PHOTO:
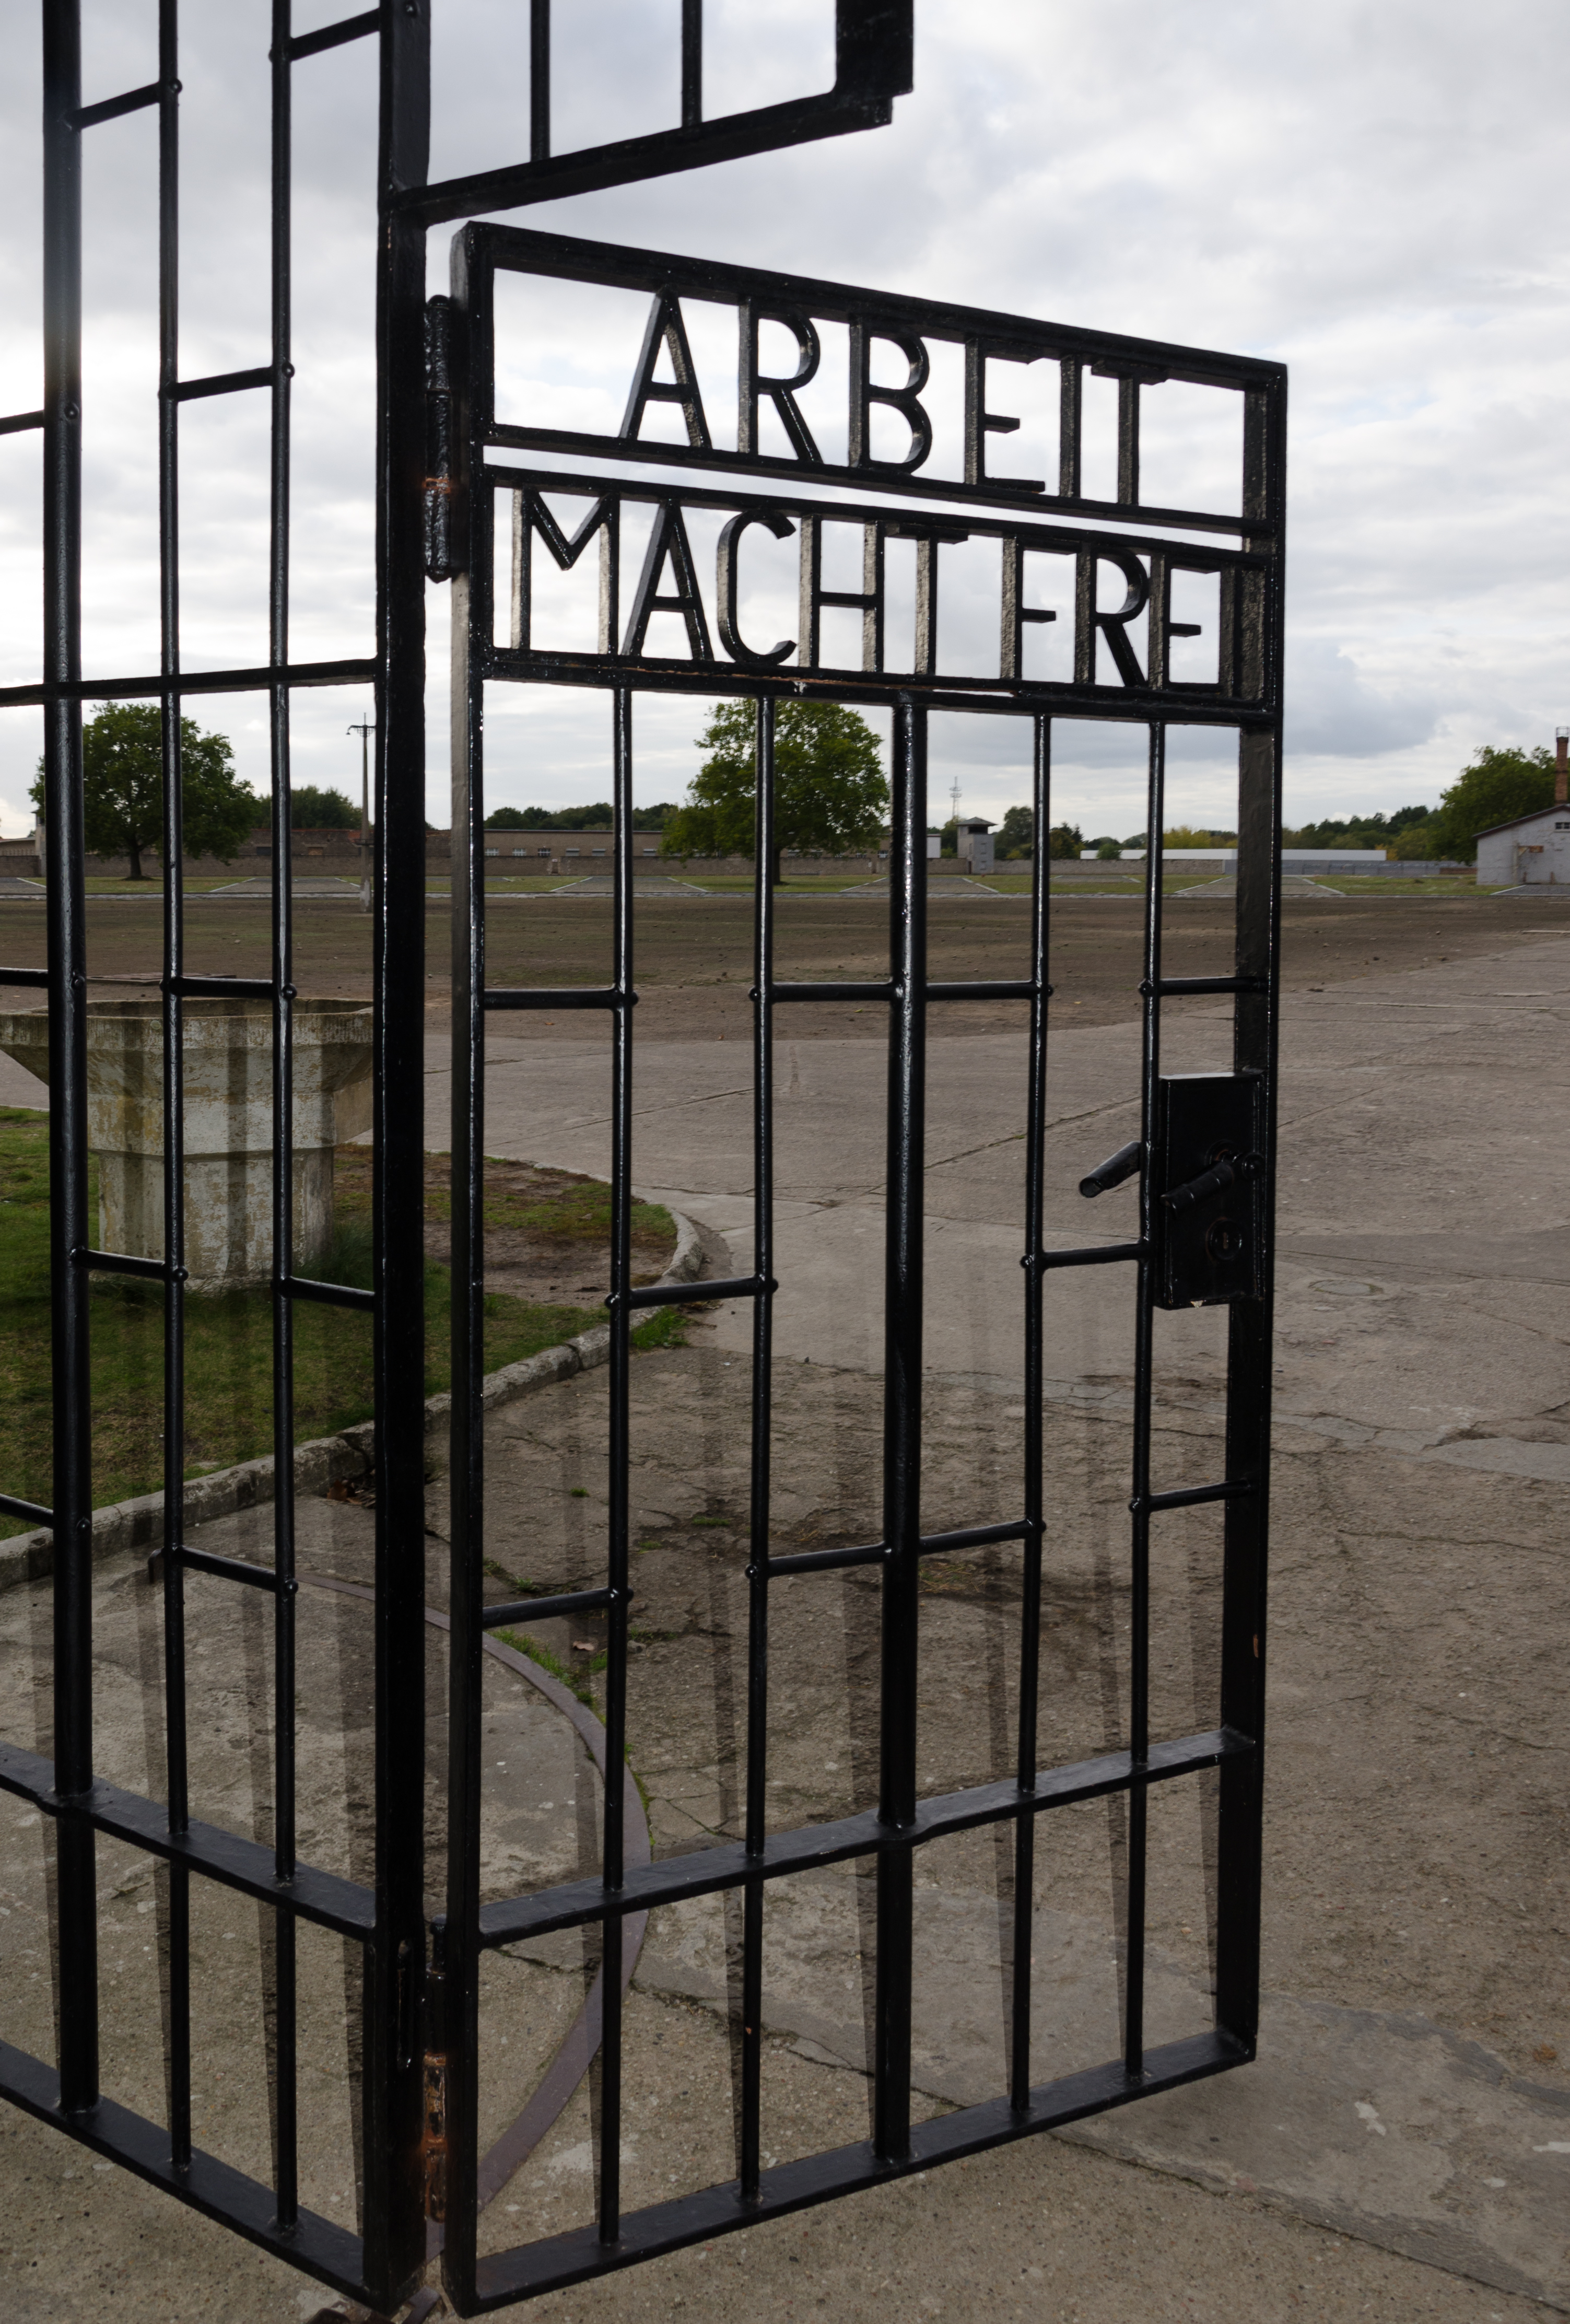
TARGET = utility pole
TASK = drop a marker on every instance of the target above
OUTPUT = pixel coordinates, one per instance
(364, 730)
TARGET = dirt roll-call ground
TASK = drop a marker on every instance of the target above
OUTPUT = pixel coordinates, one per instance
(694, 953)
(1416, 1849)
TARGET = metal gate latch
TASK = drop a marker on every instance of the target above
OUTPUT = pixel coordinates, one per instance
(1208, 1225)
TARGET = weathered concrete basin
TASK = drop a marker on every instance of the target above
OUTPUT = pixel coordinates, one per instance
(228, 1053)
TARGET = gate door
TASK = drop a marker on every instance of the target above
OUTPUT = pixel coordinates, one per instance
(526, 501)
(147, 2111)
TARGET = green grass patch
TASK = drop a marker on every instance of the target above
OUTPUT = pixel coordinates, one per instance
(666, 1328)
(1374, 883)
(228, 1347)
(574, 1677)
(576, 1209)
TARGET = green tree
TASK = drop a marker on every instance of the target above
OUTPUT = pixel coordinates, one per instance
(508, 818)
(1064, 841)
(1498, 786)
(123, 787)
(830, 794)
(311, 808)
(1016, 834)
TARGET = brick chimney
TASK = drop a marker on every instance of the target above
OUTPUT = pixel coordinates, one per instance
(1561, 766)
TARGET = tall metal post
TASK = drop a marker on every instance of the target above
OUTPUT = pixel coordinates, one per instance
(70, 1234)
(395, 2040)
(902, 1296)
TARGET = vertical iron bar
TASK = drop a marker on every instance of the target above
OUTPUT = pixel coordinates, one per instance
(762, 1403)
(393, 2225)
(174, 1694)
(617, 1545)
(1144, 1356)
(470, 540)
(539, 81)
(285, 2165)
(691, 64)
(1250, 1322)
(68, 1063)
(1035, 1282)
(902, 1296)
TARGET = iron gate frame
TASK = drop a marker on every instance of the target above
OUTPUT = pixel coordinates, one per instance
(387, 1919)
(461, 545)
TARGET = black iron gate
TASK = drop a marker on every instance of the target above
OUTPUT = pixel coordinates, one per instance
(1203, 1154)
(1206, 1151)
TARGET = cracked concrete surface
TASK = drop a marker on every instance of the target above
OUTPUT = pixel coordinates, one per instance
(1403, 2146)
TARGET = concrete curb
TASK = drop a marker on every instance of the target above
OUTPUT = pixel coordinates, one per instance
(138, 1524)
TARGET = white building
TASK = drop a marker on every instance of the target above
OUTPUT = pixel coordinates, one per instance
(1531, 849)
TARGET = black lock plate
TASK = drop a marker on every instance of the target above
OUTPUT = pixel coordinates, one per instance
(1208, 1251)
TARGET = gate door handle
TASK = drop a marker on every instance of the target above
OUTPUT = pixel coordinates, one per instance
(1225, 1173)
(1126, 1163)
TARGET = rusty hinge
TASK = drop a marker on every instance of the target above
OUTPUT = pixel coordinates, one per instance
(433, 2137)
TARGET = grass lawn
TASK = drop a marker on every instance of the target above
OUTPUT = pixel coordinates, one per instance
(737, 883)
(1375, 883)
(229, 1335)
(153, 884)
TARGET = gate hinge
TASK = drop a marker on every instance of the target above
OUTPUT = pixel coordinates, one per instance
(438, 433)
(433, 2137)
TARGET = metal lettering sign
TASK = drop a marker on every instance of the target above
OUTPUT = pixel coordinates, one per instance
(1113, 588)
(687, 601)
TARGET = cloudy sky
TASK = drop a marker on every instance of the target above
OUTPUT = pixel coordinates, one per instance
(1368, 195)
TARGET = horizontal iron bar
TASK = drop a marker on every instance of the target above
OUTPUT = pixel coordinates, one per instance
(1034, 516)
(545, 1609)
(705, 1872)
(1035, 525)
(199, 681)
(1017, 988)
(823, 1561)
(221, 382)
(24, 976)
(979, 1536)
(673, 1294)
(571, 996)
(528, 250)
(1188, 1496)
(872, 1553)
(110, 108)
(1100, 1255)
(232, 1569)
(325, 1294)
(120, 1262)
(18, 422)
(864, 990)
(762, 129)
(1172, 988)
(998, 697)
(333, 36)
(203, 1848)
(12, 1506)
(212, 988)
(315, 2246)
(576, 2254)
